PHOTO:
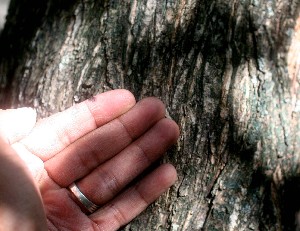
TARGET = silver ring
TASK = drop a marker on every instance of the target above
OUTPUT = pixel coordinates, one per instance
(90, 206)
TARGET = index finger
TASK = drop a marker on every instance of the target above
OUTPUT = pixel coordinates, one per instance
(53, 134)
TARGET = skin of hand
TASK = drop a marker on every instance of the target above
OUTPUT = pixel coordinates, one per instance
(102, 144)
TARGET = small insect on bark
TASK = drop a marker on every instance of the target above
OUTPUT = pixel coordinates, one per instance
(92, 99)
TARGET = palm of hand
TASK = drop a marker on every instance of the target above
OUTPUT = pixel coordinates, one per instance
(101, 144)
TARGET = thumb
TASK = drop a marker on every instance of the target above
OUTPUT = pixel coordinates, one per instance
(21, 205)
(16, 123)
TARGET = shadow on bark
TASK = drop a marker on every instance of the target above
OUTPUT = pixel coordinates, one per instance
(290, 204)
(24, 19)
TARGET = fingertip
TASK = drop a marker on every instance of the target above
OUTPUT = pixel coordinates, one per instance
(169, 130)
(122, 96)
(173, 126)
(157, 182)
(156, 103)
(143, 116)
(126, 95)
(169, 174)
(110, 105)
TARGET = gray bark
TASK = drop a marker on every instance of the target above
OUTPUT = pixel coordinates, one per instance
(228, 72)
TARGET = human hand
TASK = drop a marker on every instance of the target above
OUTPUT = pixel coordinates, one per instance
(102, 144)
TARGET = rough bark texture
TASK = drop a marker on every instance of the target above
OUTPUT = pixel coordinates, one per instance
(228, 72)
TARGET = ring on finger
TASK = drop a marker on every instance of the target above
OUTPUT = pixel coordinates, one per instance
(90, 206)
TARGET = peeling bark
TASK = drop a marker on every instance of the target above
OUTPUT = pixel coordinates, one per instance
(227, 71)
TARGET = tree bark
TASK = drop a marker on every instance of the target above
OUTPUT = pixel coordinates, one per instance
(228, 72)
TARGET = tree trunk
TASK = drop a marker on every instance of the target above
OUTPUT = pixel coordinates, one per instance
(228, 72)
